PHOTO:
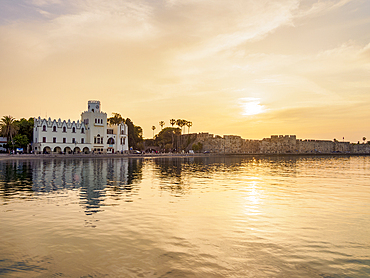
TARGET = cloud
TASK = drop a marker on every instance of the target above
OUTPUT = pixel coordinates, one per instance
(175, 58)
(42, 3)
(202, 28)
(309, 8)
(365, 53)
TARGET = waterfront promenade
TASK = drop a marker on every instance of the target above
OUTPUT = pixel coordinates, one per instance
(91, 155)
(4, 157)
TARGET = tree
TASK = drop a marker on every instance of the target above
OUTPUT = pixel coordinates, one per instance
(181, 123)
(364, 139)
(189, 124)
(135, 134)
(172, 122)
(138, 135)
(116, 119)
(197, 147)
(153, 128)
(20, 141)
(8, 127)
(161, 123)
(164, 138)
(25, 127)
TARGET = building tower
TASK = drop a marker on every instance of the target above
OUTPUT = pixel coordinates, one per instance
(96, 122)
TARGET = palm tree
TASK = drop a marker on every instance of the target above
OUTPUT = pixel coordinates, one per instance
(161, 123)
(172, 122)
(181, 123)
(153, 127)
(189, 124)
(8, 127)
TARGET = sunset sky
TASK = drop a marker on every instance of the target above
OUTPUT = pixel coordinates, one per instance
(249, 68)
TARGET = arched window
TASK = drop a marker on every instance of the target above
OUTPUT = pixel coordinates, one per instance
(44, 128)
(64, 129)
(73, 129)
(54, 128)
(110, 141)
(82, 130)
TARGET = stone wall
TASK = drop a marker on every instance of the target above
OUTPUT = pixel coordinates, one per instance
(276, 144)
(360, 148)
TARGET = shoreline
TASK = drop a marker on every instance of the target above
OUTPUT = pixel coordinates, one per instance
(6, 157)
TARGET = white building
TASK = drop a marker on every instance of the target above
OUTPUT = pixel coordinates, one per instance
(92, 133)
(3, 141)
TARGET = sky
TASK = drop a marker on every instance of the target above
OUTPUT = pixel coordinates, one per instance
(241, 67)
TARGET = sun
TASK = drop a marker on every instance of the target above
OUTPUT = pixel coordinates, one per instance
(251, 106)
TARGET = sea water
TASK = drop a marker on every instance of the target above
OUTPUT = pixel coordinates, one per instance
(186, 217)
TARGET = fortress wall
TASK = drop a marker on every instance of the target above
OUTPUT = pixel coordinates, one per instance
(360, 148)
(276, 144)
(315, 146)
(251, 146)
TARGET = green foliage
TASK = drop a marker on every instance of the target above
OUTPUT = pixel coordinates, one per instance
(116, 119)
(25, 127)
(166, 137)
(172, 122)
(8, 127)
(135, 134)
(181, 123)
(20, 141)
(197, 147)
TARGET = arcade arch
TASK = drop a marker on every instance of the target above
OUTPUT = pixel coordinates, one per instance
(46, 150)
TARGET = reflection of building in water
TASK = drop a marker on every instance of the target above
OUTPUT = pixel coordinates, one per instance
(97, 179)
(16, 176)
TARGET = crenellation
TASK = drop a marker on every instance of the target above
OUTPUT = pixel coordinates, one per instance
(276, 144)
(57, 136)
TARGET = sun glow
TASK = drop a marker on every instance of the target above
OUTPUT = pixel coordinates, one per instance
(252, 106)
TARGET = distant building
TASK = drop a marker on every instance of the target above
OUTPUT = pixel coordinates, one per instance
(3, 141)
(91, 134)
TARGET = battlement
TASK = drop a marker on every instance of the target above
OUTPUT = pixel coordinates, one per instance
(94, 106)
(49, 123)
